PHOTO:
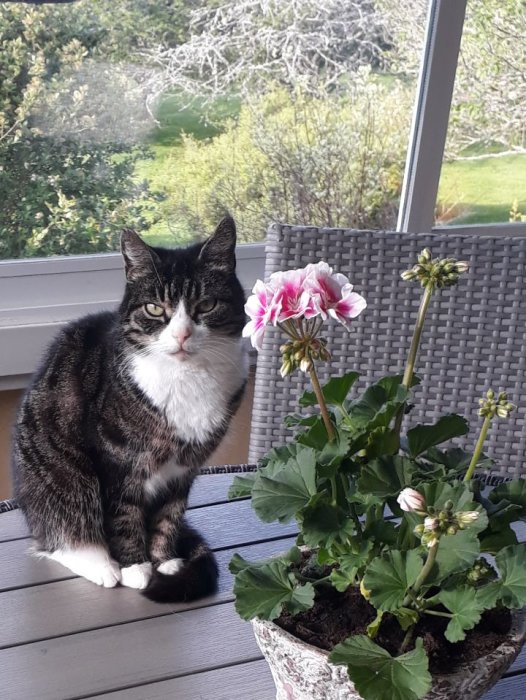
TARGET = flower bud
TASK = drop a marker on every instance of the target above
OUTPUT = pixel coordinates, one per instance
(430, 539)
(425, 256)
(452, 530)
(448, 505)
(411, 501)
(467, 517)
(431, 523)
(419, 530)
(286, 368)
(306, 364)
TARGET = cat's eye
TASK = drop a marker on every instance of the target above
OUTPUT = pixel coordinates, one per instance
(154, 310)
(205, 306)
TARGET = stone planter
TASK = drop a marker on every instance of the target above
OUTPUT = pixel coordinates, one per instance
(303, 672)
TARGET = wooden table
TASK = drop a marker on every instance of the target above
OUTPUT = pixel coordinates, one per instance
(63, 637)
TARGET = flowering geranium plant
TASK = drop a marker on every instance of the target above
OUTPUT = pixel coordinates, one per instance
(404, 520)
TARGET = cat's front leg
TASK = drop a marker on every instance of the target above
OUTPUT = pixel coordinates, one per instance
(128, 544)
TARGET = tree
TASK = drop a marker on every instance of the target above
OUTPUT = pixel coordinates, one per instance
(242, 45)
(71, 123)
(490, 87)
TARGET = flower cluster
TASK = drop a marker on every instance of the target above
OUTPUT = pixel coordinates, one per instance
(499, 406)
(304, 294)
(436, 272)
(436, 522)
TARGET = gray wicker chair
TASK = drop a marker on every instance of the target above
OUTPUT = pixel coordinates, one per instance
(475, 335)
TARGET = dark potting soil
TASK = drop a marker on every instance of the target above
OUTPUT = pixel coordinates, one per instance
(336, 616)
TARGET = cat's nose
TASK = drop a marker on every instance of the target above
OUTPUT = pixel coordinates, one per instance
(182, 335)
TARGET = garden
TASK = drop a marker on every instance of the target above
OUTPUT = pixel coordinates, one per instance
(162, 117)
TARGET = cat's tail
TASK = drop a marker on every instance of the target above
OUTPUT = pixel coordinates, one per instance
(190, 575)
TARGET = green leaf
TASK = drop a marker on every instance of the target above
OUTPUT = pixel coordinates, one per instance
(262, 590)
(406, 617)
(386, 476)
(488, 595)
(323, 523)
(389, 577)
(383, 531)
(422, 437)
(512, 491)
(455, 459)
(511, 563)
(335, 391)
(315, 437)
(332, 454)
(289, 490)
(275, 460)
(466, 609)
(456, 553)
(492, 542)
(350, 566)
(376, 407)
(382, 441)
(298, 419)
(378, 676)
(242, 485)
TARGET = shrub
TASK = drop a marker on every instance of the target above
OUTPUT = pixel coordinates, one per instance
(336, 161)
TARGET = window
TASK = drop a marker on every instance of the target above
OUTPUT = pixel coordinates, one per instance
(483, 178)
(322, 139)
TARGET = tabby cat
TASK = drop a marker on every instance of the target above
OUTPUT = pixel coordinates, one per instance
(125, 408)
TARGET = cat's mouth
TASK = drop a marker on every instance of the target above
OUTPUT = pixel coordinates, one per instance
(182, 355)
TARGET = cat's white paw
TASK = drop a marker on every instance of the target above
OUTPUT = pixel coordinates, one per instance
(91, 562)
(170, 567)
(137, 575)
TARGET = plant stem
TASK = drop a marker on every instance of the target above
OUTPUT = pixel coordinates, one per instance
(415, 342)
(321, 401)
(437, 613)
(478, 448)
(426, 570)
(407, 639)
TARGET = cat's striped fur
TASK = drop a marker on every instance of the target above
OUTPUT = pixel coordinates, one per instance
(124, 410)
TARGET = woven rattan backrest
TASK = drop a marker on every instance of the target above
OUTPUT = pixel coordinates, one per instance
(475, 335)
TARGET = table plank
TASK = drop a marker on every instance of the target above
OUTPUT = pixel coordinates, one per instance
(126, 655)
(252, 681)
(208, 489)
(513, 688)
(223, 525)
(74, 605)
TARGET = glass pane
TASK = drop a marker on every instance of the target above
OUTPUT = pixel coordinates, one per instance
(161, 116)
(483, 177)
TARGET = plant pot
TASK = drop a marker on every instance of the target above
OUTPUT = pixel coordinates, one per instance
(303, 672)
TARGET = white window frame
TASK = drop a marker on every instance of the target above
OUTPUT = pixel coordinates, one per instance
(37, 296)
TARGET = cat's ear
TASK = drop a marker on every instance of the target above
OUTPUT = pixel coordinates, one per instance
(139, 259)
(219, 250)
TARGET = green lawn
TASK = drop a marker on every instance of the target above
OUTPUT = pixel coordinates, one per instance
(175, 119)
(470, 191)
(482, 191)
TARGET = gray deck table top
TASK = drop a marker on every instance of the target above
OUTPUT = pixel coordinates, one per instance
(62, 637)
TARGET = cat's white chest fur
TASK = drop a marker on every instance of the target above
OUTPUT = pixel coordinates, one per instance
(194, 394)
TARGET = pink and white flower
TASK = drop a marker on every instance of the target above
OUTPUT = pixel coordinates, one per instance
(411, 501)
(314, 290)
(262, 311)
(290, 295)
(332, 294)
